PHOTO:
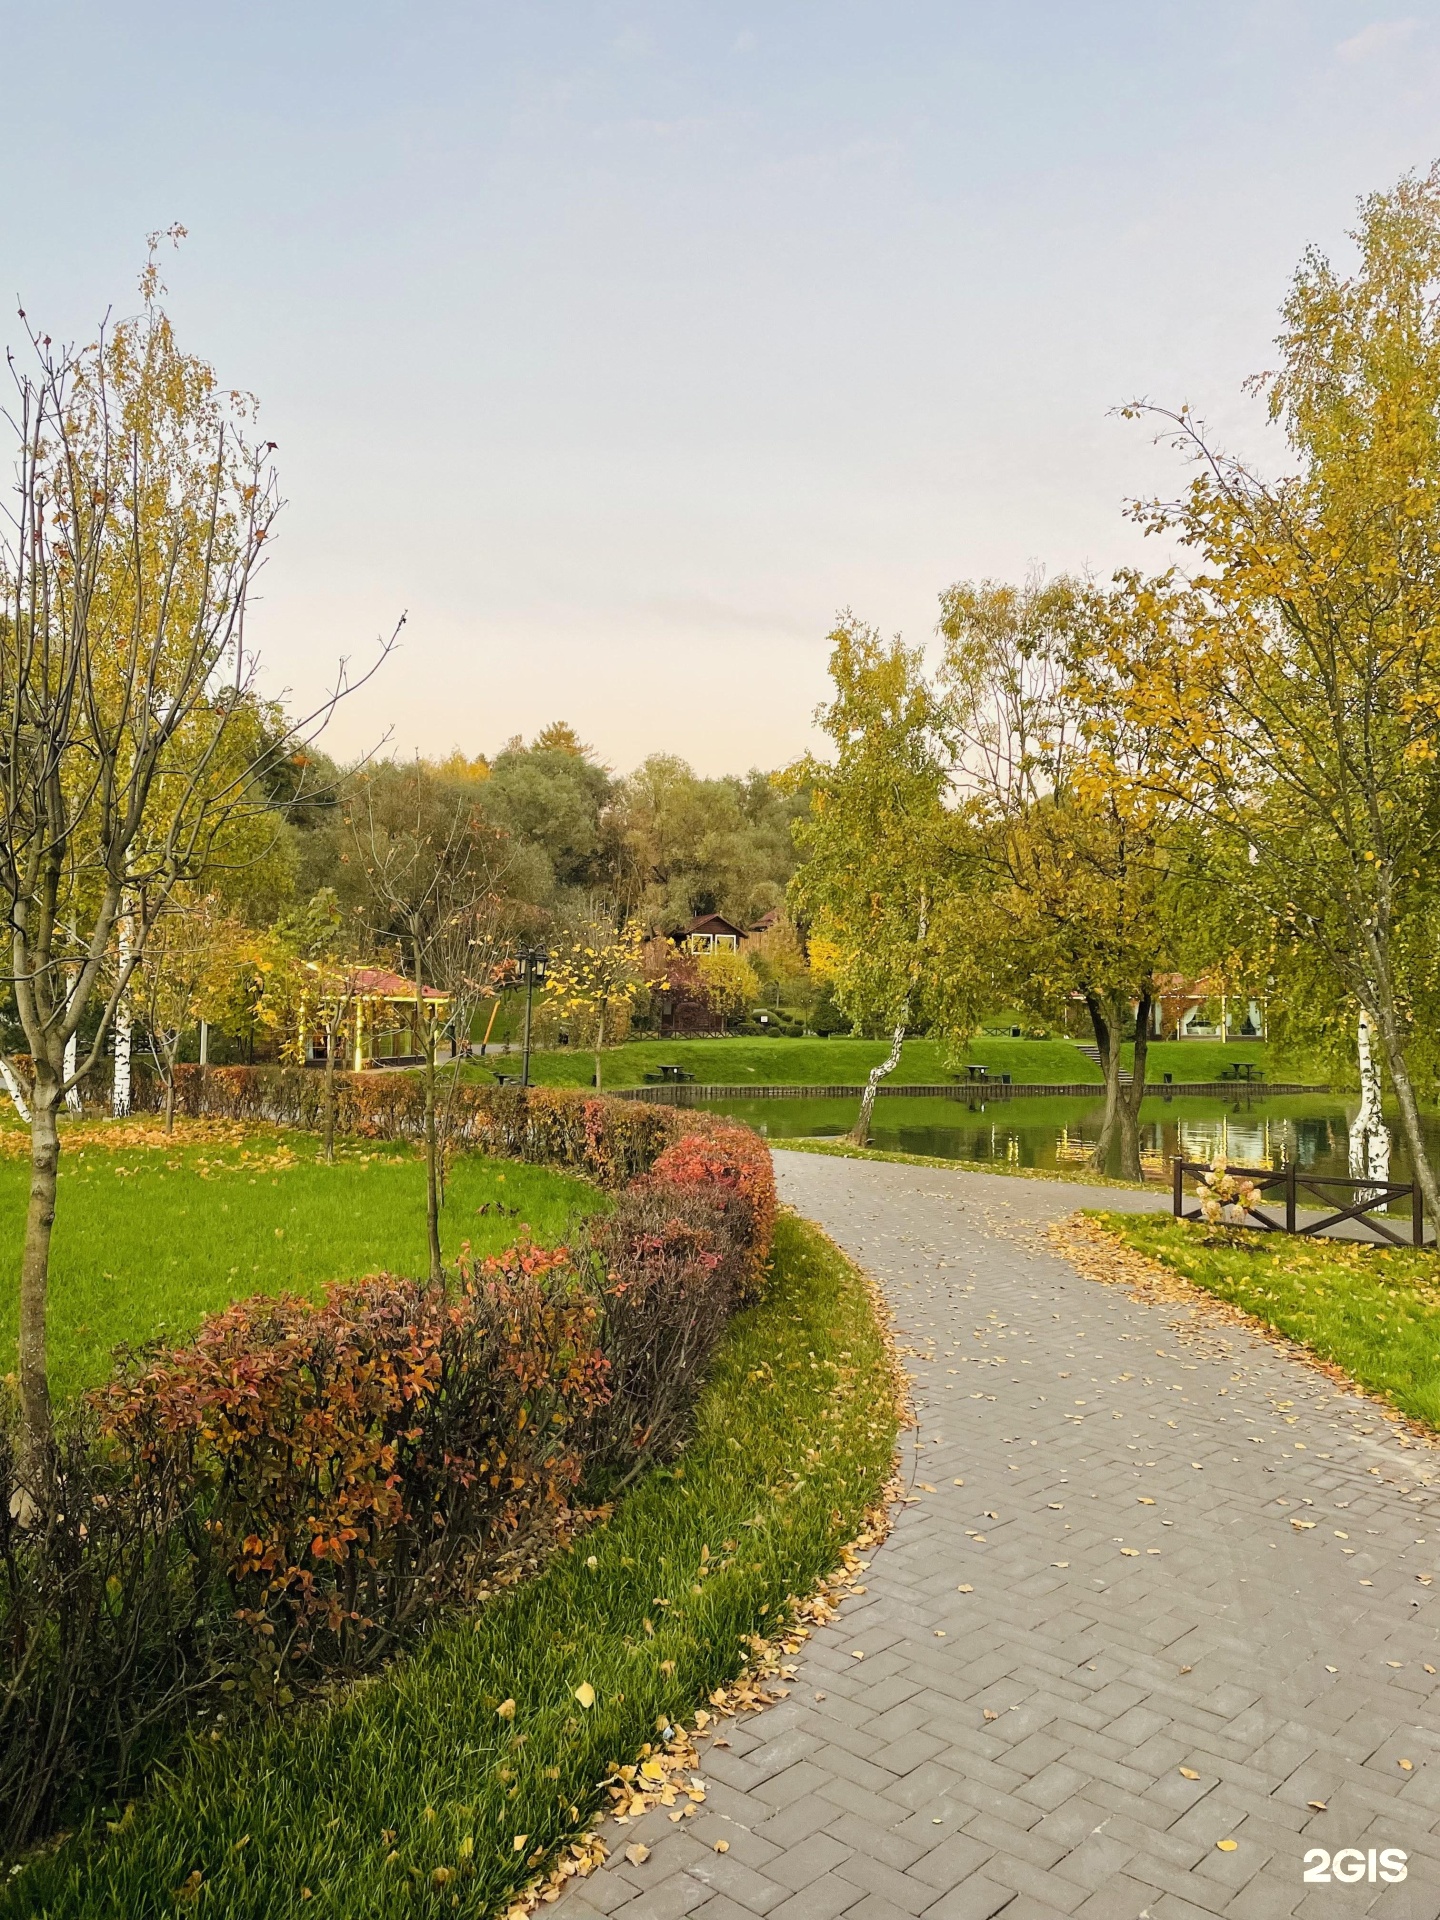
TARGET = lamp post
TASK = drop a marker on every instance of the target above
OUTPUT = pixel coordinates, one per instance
(533, 961)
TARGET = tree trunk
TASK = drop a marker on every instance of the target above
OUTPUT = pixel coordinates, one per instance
(170, 1101)
(1131, 1096)
(1107, 1043)
(331, 1041)
(860, 1132)
(432, 1165)
(599, 1045)
(120, 1089)
(35, 1417)
(1369, 1136)
(1409, 1112)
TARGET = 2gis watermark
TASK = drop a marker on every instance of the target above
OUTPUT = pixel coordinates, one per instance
(1349, 1866)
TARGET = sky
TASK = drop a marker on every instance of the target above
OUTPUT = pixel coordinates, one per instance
(621, 346)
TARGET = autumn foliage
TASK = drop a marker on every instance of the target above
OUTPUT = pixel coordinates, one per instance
(300, 1486)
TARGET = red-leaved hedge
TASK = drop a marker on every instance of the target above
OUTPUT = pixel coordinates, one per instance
(286, 1495)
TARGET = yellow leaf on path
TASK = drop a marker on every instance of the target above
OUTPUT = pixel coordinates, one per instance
(505, 1710)
(637, 1853)
(1131, 1553)
(722, 1846)
(1318, 1805)
(1145, 1501)
(1392, 1663)
(856, 1654)
(925, 1487)
(653, 1770)
(585, 1694)
(1189, 1773)
(990, 1713)
(1428, 1667)
(964, 1589)
(1227, 1846)
(1059, 1563)
(1408, 1765)
(957, 1483)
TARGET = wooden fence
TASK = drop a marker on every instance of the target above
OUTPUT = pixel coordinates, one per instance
(1365, 1196)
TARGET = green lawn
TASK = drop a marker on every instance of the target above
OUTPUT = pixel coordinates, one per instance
(150, 1239)
(412, 1796)
(845, 1062)
(1376, 1314)
(813, 1062)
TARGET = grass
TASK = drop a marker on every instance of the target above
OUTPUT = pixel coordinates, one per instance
(1375, 1313)
(152, 1235)
(812, 1062)
(350, 1811)
(846, 1062)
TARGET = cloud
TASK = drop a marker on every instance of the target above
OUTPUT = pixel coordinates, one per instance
(1378, 37)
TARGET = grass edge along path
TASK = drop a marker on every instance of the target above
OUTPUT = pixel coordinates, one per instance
(452, 1780)
(844, 1150)
(1365, 1318)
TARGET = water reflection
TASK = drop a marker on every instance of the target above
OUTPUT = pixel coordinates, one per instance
(1252, 1131)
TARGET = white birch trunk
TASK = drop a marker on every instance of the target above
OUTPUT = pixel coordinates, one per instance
(15, 1090)
(73, 1103)
(1369, 1136)
(120, 1093)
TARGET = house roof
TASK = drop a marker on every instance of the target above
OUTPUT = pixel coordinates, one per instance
(714, 923)
(379, 983)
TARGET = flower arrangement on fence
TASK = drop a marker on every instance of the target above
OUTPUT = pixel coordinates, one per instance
(286, 1495)
(1221, 1188)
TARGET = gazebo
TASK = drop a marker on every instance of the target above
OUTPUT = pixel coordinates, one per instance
(384, 1007)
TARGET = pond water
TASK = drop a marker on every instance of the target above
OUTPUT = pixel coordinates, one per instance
(1252, 1130)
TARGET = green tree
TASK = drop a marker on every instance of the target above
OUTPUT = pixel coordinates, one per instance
(876, 841)
(1301, 688)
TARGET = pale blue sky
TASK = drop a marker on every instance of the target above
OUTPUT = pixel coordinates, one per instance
(625, 343)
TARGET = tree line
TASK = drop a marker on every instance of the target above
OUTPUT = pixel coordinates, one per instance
(1230, 767)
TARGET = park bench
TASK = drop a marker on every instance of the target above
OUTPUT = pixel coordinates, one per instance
(1242, 1070)
(669, 1075)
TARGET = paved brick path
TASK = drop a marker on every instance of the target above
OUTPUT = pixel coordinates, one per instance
(1140, 1602)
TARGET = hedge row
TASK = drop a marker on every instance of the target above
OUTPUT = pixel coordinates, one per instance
(289, 1496)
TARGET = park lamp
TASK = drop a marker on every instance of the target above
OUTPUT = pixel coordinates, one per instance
(533, 962)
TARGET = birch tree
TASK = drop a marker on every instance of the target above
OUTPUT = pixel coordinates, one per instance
(875, 843)
(132, 734)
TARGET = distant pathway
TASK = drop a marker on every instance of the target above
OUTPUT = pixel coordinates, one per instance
(1176, 1552)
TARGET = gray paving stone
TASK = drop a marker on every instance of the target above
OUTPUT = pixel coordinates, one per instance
(895, 1799)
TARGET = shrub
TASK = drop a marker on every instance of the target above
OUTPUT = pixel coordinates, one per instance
(671, 1262)
(724, 1159)
(292, 1492)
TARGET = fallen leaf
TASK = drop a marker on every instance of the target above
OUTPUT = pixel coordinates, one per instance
(957, 1483)
(990, 1713)
(1145, 1500)
(1189, 1773)
(1408, 1765)
(637, 1853)
(964, 1589)
(518, 1844)
(1392, 1663)
(1056, 1506)
(722, 1846)
(1059, 1563)
(856, 1654)
(505, 1710)
(925, 1487)
(1187, 1669)
(1227, 1846)
(653, 1770)
(1318, 1805)
(1131, 1553)
(1332, 1669)
(585, 1694)
(1428, 1667)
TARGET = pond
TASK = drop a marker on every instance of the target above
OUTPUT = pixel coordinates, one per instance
(1251, 1129)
